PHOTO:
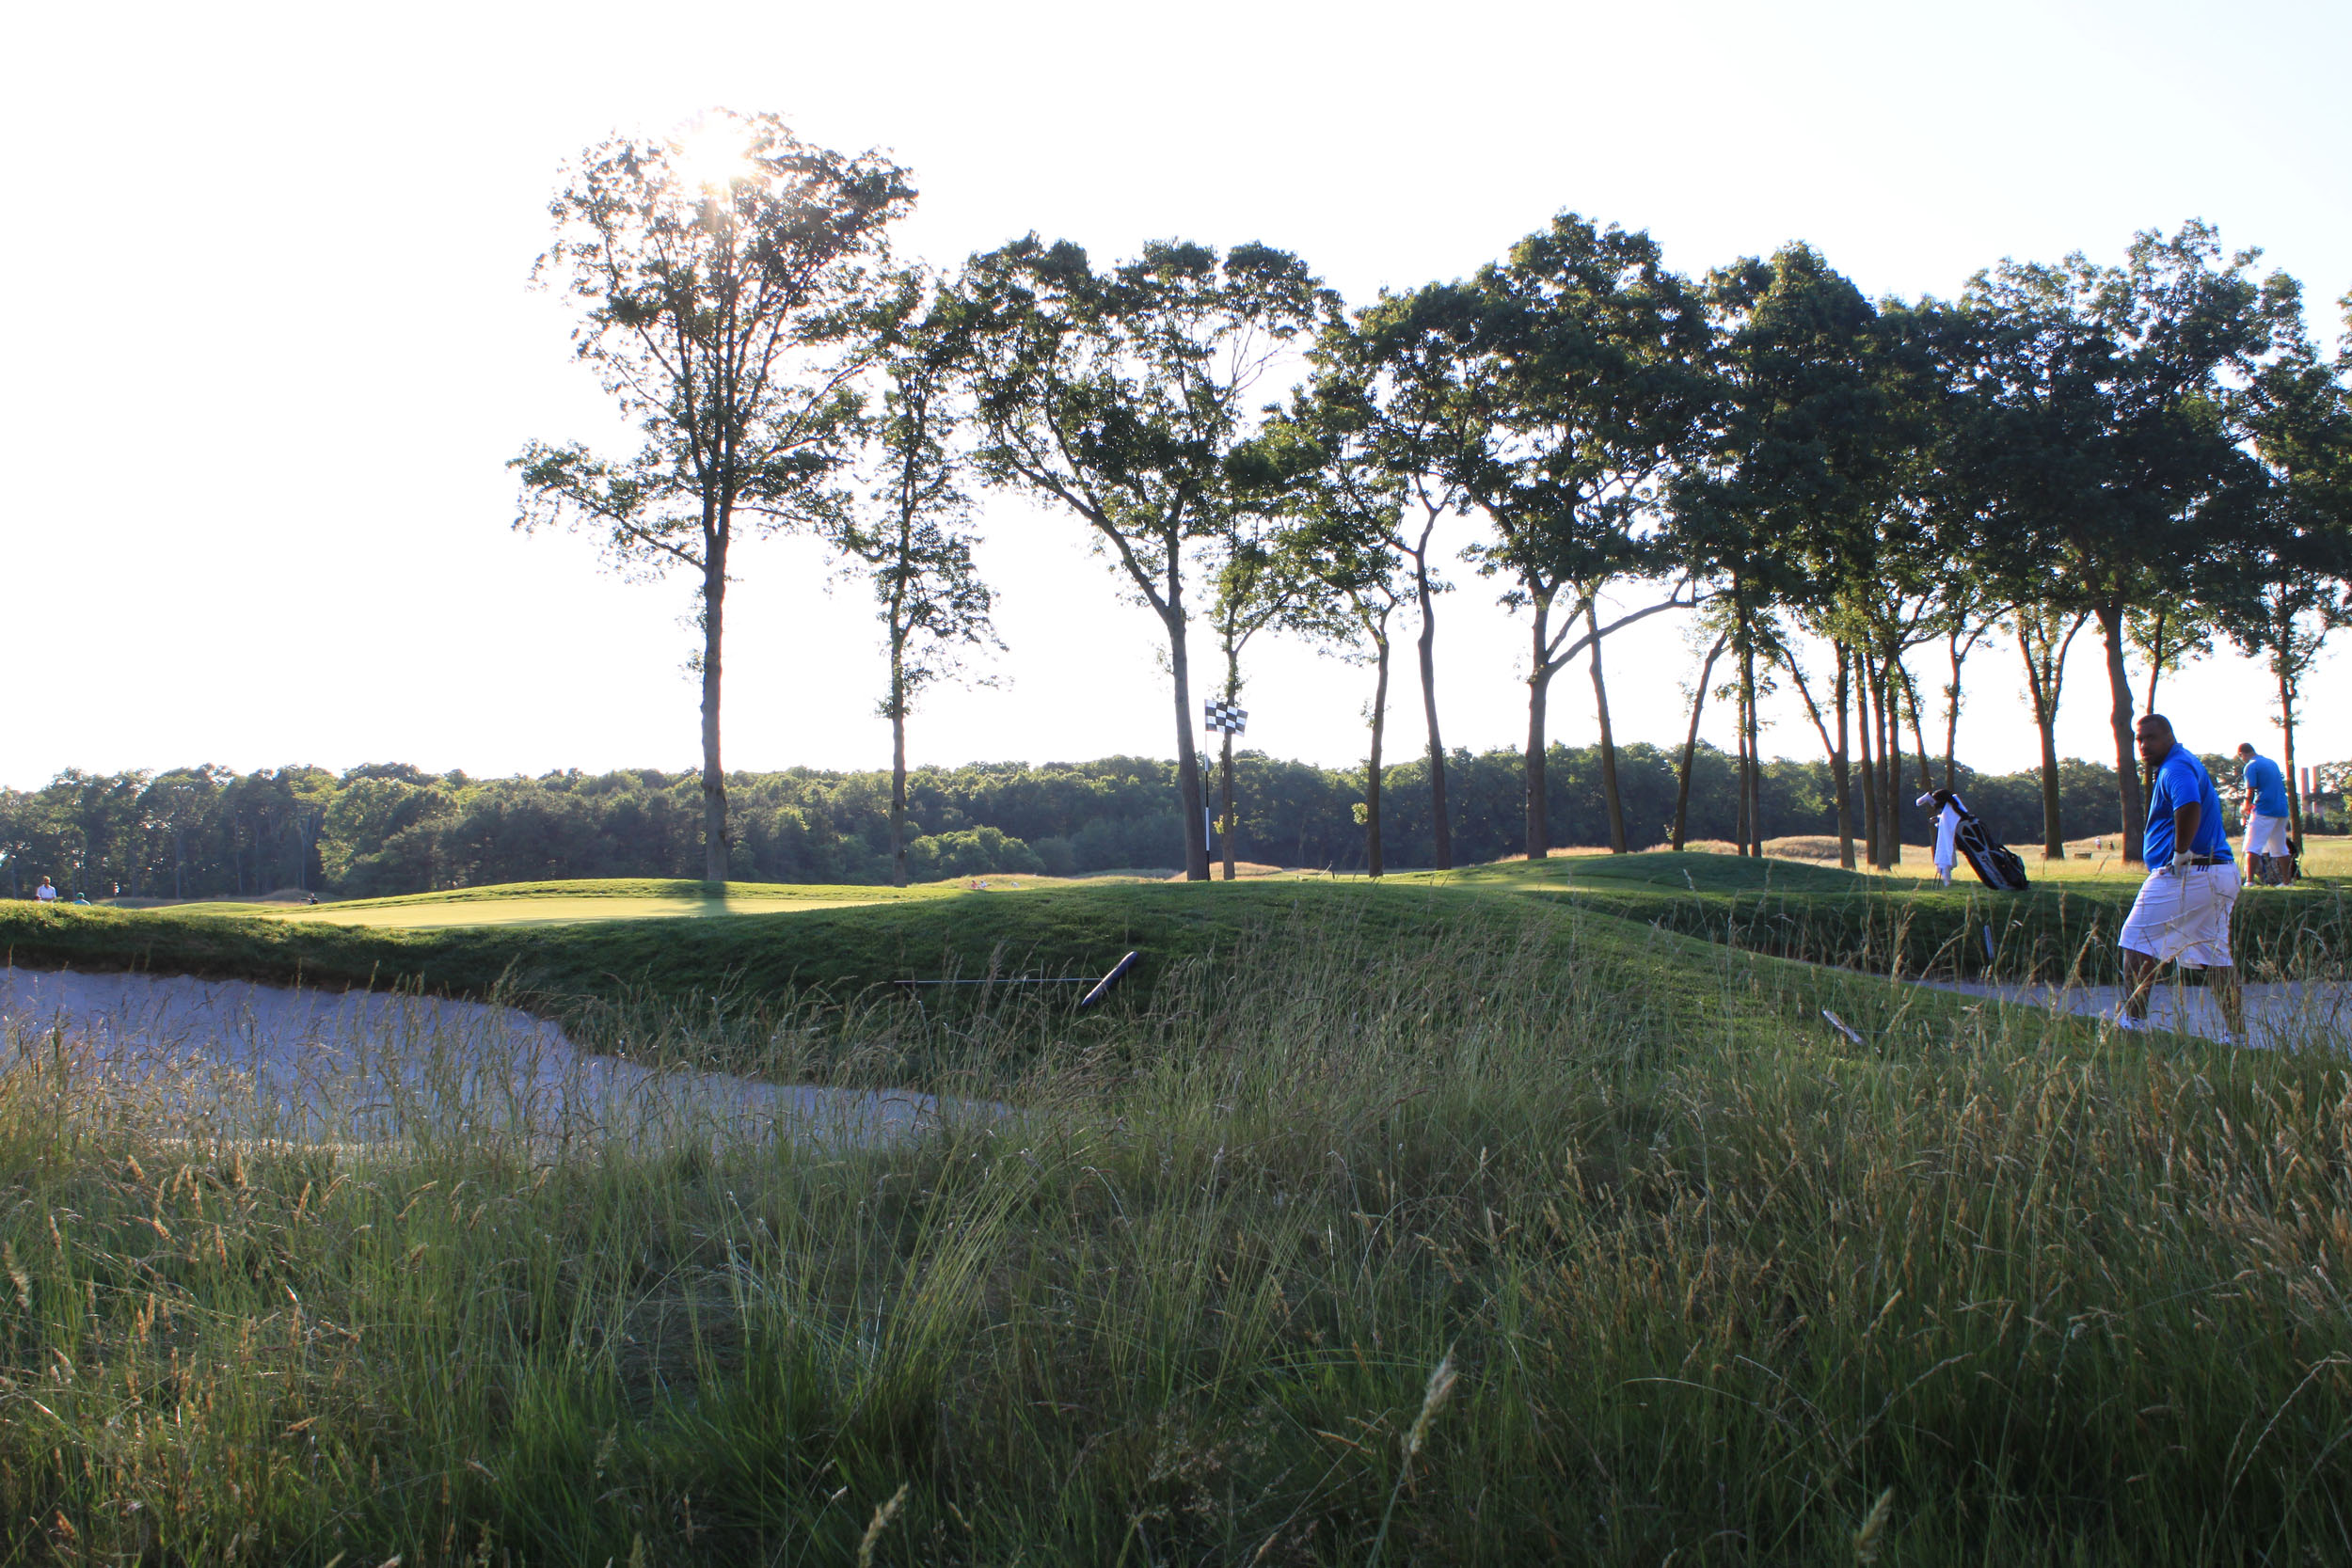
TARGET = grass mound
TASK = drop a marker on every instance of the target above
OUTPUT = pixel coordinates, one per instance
(1384, 1225)
(1820, 913)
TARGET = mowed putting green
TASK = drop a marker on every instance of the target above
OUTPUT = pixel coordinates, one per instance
(559, 903)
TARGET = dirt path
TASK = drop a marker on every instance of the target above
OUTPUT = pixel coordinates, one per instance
(278, 1063)
(2286, 1015)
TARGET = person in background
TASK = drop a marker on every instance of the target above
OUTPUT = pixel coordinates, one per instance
(2265, 810)
(47, 892)
(2181, 914)
(1946, 832)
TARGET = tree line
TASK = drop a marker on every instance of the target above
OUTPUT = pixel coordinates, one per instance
(1856, 500)
(387, 828)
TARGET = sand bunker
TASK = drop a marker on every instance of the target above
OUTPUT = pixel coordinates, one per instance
(2289, 1014)
(236, 1058)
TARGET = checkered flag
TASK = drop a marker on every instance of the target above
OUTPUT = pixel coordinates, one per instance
(1222, 713)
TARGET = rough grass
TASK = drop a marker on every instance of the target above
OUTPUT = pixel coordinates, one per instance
(1820, 913)
(838, 942)
(1706, 1281)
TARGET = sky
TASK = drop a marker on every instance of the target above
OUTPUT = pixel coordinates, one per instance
(273, 339)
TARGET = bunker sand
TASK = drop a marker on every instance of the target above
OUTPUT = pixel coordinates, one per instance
(242, 1060)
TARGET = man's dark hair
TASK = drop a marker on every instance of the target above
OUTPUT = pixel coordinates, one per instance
(2246, 749)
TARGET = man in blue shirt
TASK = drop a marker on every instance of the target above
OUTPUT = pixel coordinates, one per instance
(2181, 914)
(2266, 810)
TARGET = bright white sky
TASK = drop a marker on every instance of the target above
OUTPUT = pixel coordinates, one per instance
(269, 342)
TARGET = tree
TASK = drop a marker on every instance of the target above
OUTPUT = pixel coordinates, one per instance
(2289, 590)
(2111, 438)
(1568, 380)
(1798, 504)
(912, 541)
(1257, 585)
(2045, 632)
(1120, 397)
(1691, 741)
(716, 278)
(2169, 633)
(1375, 422)
(1343, 552)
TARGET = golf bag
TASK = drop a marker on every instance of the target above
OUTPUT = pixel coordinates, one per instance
(2273, 870)
(1996, 865)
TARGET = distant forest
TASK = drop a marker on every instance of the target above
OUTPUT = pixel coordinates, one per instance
(204, 832)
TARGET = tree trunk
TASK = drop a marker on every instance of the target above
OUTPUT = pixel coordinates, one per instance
(2134, 806)
(1691, 745)
(1951, 715)
(1607, 741)
(1740, 774)
(1374, 866)
(1890, 770)
(1443, 824)
(1188, 797)
(2040, 689)
(1225, 823)
(2295, 788)
(1755, 779)
(1841, 772)
(1866, 693)
(2053, 833)
(714, 776)
(1539, 688)
(1836, 750)
(898, 764)
(1919, 730)
(1750, 790)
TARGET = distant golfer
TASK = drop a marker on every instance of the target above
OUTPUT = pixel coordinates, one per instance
(2181, 914)
(1947, 832)
(47, 892)
(2265, 808)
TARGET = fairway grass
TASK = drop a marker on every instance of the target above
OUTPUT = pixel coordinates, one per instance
(1372, 1226)
(549, 903)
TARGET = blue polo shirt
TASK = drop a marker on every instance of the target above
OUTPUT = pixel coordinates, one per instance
(2179, 779)
(2270, 786)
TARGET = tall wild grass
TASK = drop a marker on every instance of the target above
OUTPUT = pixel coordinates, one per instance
(1540, 1241)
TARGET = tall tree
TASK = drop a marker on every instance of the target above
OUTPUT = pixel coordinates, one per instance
(2045, 633)
(2114, 438)
(1121, 396)
(1259, 585)
(1793, 509)
(1344, 550)
(1571, 378)
(2282, 597)
(1691, 741)
(716, 276)
(912, 541)
(1376, 418)
(2169, 633)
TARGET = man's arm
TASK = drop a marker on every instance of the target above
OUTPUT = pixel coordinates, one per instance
(2185, 820)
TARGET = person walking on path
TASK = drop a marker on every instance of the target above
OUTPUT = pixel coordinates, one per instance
(2265, 810)
(2181, 914)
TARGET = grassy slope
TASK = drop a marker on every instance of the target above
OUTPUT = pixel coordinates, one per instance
(843, 941)
(588, 898)
(1718, 1286)
(1822, 914)
(839, 951)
